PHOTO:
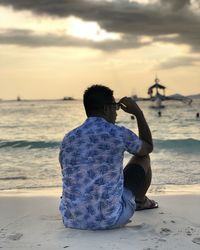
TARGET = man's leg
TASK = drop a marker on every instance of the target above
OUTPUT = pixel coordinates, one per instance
(137, 178)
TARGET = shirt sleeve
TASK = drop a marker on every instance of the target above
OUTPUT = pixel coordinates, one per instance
(132, 142)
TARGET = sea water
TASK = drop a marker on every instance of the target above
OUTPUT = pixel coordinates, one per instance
(31, 132)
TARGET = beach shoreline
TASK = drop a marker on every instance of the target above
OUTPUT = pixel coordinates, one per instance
(154, 190)
(31, 220)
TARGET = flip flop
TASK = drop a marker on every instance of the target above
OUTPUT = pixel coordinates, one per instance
(146, 204)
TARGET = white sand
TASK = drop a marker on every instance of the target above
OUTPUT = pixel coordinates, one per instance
(33, 222)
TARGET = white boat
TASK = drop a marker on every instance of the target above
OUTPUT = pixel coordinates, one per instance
(157, 95)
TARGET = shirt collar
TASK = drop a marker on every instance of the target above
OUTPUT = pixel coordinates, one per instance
(96, 119)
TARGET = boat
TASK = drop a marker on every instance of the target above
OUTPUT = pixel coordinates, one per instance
(68, 98)
(157, 95)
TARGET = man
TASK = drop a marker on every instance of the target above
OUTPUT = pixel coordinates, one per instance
(97, 192)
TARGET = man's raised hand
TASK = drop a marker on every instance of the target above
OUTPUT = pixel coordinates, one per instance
(129, 106)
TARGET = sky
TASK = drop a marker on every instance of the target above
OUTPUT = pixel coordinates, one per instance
(51, 49)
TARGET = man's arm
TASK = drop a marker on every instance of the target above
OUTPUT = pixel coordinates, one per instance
(129, 106)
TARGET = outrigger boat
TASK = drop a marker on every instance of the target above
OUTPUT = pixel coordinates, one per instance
(157, 97)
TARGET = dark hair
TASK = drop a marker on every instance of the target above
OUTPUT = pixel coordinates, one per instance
(95, 97)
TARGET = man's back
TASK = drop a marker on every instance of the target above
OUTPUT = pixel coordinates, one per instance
(91, 158)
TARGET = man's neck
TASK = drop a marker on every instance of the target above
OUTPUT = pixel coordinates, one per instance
(100, 116)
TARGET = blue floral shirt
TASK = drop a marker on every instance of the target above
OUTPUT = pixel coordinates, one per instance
(91, 158)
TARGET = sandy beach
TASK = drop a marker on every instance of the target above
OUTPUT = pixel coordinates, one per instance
(32, 221)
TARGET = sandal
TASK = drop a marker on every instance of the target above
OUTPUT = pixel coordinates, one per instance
(146, 204)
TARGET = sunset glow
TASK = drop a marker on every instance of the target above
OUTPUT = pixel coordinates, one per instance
(88, 30)
(51, 50)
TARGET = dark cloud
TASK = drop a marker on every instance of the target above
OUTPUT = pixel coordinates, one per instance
(176, 4)
(31, 39)
(157, 20)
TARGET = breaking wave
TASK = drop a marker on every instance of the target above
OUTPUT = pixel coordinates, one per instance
(183, 145)
(29, 144)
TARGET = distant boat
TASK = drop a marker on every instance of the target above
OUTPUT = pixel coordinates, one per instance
(68, 98)
(18, 98)
(157, 95)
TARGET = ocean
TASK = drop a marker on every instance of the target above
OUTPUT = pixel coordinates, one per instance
(31, 132)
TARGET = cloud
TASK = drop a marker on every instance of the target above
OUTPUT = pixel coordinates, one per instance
(176, 4)
(29, 38)
(179, 62)
(132, 19)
